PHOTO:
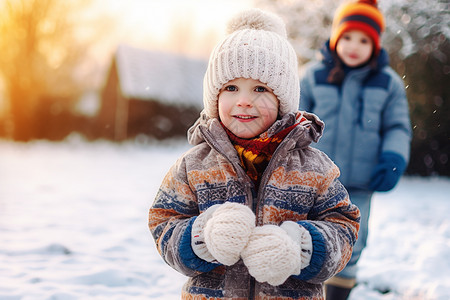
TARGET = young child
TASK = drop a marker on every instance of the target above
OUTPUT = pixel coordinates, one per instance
(363, 104)
(252, 211)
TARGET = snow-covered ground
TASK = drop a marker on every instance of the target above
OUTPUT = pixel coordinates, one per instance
(73, 225)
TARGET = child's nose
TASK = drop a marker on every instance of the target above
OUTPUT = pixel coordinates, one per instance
(354, 45)
(244, 99)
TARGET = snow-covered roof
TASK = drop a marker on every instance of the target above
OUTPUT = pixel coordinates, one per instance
(161, 76)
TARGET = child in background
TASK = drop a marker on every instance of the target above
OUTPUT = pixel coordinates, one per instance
(252, 211)
(363, 104)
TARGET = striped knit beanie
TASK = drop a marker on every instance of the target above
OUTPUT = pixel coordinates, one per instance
(256, 47)
(358, 15)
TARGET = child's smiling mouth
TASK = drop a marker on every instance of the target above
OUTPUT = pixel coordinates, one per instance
(244, 117)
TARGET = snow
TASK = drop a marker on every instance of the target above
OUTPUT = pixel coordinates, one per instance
(73, 225)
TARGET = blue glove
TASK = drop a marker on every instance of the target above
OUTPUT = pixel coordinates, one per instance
(388, 171)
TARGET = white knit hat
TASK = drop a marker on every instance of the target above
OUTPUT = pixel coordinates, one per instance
(257, 48)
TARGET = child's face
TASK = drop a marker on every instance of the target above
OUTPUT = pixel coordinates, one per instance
(354, 48)
(247, 107)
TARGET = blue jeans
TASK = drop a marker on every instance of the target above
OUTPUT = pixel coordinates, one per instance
(362, 199)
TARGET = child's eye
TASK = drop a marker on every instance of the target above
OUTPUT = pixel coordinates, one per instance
(260, 89)
(364, 41)
(230, 88)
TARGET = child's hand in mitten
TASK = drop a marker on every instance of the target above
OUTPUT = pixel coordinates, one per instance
(387, 172)
(225, 231)
(274, 253)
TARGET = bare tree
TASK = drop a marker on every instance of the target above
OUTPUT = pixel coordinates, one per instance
(41, 45)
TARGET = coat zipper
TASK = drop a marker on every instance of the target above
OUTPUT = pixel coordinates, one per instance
(264, 179)
(248, 184)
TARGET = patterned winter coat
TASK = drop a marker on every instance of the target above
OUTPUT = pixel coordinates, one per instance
(300, 184)
(364, 116)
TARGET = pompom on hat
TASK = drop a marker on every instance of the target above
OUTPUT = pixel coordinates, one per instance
(256, 47)
(358, 15)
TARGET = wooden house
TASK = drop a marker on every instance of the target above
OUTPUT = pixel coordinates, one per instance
(149, 92)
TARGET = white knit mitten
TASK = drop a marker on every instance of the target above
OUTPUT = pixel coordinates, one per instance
(198, 234)
(221, 232)
(228, 230)
(271, 255)
(302, 237)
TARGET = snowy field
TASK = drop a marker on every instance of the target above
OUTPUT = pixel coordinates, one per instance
(73, 225)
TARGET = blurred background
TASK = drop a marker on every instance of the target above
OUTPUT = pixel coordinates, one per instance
(132, 70)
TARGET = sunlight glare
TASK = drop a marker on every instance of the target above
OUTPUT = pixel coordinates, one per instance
(158, 22)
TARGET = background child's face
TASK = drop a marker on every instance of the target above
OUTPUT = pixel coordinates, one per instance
(354, 48)
(247, 107)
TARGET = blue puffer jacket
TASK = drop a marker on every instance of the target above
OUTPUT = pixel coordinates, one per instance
(364, 116)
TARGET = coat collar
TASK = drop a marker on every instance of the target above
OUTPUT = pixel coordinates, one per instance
(302, 136)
